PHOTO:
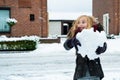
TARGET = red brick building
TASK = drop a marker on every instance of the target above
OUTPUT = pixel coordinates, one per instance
(31, 15)
(108, 13)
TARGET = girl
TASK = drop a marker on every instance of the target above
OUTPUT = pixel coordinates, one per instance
(87, 68)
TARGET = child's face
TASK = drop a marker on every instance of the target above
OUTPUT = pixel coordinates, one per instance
(82, 23)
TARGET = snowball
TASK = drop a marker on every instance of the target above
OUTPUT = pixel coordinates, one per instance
(90, 41)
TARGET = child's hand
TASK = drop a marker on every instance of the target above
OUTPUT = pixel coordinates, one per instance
(101, 49)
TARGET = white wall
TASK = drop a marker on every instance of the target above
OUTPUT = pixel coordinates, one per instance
(54, 28)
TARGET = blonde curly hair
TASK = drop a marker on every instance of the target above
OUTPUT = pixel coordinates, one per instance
(90, 22)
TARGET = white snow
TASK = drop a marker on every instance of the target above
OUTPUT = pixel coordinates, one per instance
(90, 41)
(4, 38)
(53, 62)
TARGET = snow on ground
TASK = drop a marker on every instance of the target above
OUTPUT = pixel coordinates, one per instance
(53, 62)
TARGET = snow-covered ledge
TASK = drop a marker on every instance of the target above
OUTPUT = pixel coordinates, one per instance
(4, 38)
(51, 39)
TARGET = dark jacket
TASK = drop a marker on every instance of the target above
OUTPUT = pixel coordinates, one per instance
(94, 66)
(83, 63)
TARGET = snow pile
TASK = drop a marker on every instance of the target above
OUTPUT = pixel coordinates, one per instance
(90, 41)
(4, 38)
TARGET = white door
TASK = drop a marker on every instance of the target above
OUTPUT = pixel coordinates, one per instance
(106, 22)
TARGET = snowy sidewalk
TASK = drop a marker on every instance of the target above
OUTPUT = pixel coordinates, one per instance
(52, 62)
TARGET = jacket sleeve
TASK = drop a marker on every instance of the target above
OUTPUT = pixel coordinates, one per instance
(100, 50)
(68, 44)
(100, 27)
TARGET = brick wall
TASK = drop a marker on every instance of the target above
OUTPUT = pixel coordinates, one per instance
(22, 10)
(113, 8)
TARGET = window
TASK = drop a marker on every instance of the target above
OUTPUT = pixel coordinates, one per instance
(4, 14)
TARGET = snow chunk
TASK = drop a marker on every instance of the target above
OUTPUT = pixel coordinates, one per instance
(90, 41)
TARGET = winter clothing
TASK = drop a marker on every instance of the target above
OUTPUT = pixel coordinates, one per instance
(70, 43)
(94, 66)
(86, 68)
(83, 64)
(98, 27)
(73, 42)
(100, 50)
